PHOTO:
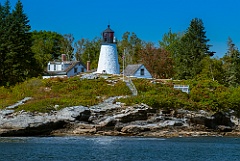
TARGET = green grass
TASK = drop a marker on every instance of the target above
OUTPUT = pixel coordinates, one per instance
(204, 95)
(62, 92)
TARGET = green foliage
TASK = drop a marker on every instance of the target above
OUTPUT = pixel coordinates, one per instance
(170, 42)
(208, 95)
(67, 46)
(57, 93)
(158, 95)
(79, 46)
(158, 61)
(231, 65)
(46, 47)
(63, 92)
(212, 69)
(205, 95)
(132, 46)
(11, 95)
(17, 59)
(234, 100)
(91, 52)
(191, 51)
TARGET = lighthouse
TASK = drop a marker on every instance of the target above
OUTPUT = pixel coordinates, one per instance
(108, 59)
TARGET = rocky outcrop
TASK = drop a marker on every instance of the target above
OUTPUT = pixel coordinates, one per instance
(29, 124)
(114, 118)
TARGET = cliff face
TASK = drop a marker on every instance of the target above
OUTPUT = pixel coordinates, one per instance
(110, 118)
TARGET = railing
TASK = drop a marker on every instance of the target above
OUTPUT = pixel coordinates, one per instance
(183, 88)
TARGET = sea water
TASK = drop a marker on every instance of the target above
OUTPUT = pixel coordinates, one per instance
(108, 148)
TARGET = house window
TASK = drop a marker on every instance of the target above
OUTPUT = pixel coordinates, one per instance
(48, 67)
(54, 67)
(75, 70)
(82, 70)
(142, 72)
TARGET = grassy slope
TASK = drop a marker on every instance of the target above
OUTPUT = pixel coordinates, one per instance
(62, 92)
(205, 94)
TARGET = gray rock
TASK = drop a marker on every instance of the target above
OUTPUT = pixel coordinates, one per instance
(90, 76)
(34, 124)
(134, 129)
(19, 103)
(110, 118)
(6, 112)
(80, 113)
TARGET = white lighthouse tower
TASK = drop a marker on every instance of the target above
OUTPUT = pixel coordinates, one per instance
(108, 59)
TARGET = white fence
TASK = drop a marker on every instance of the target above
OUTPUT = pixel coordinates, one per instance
(183, 88)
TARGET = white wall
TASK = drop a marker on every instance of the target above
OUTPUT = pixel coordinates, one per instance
(58, 67)
(146, 73)
(79, 70)
(108, 59)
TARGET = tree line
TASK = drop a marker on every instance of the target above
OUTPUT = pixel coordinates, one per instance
(186, 55)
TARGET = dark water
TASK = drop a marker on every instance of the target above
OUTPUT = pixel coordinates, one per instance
(119, 148)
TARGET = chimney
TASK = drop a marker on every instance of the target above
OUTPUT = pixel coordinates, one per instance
(88, 66)
(64, 58)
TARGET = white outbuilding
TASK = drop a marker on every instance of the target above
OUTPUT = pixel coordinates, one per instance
(137, 71)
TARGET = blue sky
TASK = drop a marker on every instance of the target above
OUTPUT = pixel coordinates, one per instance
(149, 19)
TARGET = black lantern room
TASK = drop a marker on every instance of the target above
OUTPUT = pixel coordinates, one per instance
(108, 35)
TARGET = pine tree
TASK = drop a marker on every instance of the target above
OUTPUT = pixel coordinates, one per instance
(19, 63)
(5, 44)
(191, 50)
(232, 64)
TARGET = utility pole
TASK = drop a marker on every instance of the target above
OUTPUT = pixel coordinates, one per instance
(123, 57)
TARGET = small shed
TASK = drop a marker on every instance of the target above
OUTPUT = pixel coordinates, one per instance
(137, 70)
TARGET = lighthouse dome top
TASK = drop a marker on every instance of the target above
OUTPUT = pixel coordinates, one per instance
(108, 35)
(108, 29)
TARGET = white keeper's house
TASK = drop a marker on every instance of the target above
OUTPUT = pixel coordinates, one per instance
(64, 68)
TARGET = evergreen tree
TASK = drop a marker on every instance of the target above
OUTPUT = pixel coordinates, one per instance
(170, 42)
(191, 50)
(5, 44)
(232, 65)
(18, 61)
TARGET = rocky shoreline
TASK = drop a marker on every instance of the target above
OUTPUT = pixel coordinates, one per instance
(115, 119)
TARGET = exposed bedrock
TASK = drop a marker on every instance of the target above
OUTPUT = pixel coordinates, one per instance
(114, 118)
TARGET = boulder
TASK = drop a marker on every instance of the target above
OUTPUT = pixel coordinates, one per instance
(79, 113)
